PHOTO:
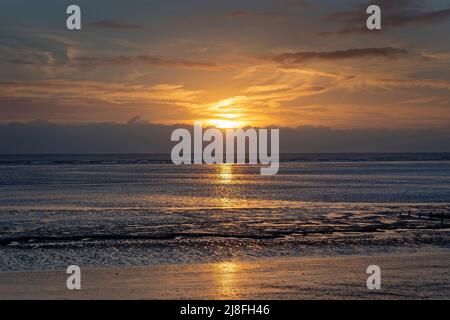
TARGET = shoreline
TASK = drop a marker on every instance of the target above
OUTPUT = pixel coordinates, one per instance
(403, 276)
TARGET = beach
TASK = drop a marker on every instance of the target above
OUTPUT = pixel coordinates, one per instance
(142, 229)
(403, 276)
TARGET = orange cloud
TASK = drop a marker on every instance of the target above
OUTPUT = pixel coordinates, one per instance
(74, 92)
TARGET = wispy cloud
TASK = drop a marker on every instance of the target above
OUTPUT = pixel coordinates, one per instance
(395, 14)
(148, 60)
(76, 92)
(414, 83)
(267, 90)
(239, 13)
(112, 24)
(260, 15)
(305, 56)
(122, 60)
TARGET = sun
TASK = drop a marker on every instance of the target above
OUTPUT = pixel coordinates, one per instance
(225, 124)
(227, 113)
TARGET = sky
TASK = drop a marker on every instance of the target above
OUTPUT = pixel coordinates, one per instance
(287, 63)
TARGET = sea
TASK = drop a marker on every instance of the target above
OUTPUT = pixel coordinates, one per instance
(136, 210)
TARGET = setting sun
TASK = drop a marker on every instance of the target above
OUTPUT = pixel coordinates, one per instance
(225, 124)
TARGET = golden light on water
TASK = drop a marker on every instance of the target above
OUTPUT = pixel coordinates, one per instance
(224, 179)
(225, 173)
(226, 279)
(227, 267)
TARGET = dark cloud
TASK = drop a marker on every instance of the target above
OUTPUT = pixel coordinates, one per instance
(387, 6)
(178, 63)
(136, 120)
(149, 60)
(25, 62)
(139, 137)
(328, 140)
(415, 83)
(259, 15)
(295, 3)
(397, 13)
(300, 3)
(419, 19)
(111, 24)
(305, 56)
(238, 13)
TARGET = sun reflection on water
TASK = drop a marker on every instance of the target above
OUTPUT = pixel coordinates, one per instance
(224, 188)
(226, 173)
(226, 279)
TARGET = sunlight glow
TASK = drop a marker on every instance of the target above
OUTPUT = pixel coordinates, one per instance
(226, 113)
(225, 124)
(225, 103)
(227, 283)
(226, 173)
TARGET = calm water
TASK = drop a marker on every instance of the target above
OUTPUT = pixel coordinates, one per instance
(134, 210)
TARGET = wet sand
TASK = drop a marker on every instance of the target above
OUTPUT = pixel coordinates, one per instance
(404, 276)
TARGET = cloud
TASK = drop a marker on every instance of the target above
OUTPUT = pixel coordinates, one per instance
(394, 14)
(124, 60)
(111, 24)
(295, 3)
(425, 18)
(147, 60)
(433, 100)
(238, 13)
(51, 138)
(76, 92)
(306, 56)
(322, 139)
(136, 120)
(266, 93)
(414, 83)
(27, 62)
(264, 16)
